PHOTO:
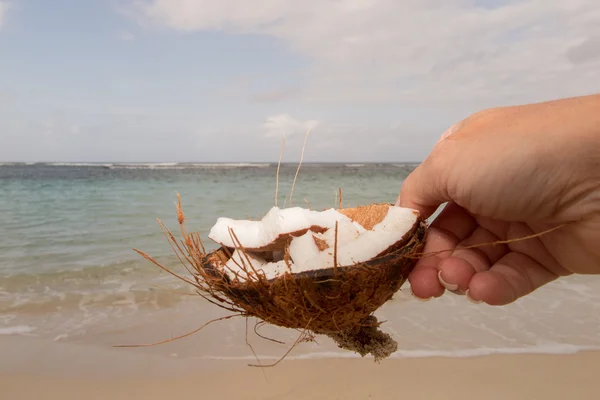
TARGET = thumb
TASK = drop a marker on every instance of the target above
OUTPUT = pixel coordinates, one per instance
(425, 189)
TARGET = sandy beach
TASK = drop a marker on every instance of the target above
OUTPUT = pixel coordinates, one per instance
(235, 200)
(448, 349)
(78, 290)
(33, 369)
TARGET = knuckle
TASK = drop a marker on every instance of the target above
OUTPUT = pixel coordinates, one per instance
(488, 114)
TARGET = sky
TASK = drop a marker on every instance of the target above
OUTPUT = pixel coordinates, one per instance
(227, 80)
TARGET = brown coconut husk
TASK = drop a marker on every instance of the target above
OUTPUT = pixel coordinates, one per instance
(338, 302)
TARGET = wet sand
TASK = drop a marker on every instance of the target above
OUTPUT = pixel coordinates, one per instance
(33, 369)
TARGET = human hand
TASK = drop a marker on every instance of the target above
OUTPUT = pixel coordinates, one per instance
(507, 173)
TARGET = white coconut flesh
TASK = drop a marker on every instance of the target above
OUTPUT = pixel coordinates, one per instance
(314, 247)
(275, 224)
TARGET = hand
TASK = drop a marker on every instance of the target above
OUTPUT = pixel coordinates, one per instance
(507, 173)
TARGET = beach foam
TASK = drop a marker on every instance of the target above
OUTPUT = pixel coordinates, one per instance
(560, 319)
(554, 349)
(16, 330)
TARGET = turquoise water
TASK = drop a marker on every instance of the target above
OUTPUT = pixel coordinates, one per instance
(67, 231)
(68, 271)
(66, 218)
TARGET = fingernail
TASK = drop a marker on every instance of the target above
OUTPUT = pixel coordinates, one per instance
(397, 204)
(468, 296)
(417, 298)
(451, 287)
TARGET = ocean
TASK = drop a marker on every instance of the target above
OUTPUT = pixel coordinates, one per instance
(68, 272)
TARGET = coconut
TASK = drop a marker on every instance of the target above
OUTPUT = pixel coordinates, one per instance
(275, 229)
(323, 272)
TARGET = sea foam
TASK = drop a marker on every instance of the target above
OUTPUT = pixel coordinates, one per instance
(16, 330)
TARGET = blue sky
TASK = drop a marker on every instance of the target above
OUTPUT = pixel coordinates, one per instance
(183, 80)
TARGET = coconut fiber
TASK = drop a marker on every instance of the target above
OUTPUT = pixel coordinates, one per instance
(338, 302)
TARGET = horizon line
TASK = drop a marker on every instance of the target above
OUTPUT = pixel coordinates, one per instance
(206, 162)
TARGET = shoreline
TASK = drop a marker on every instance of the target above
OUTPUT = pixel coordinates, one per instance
(33, 368)
(488, 377)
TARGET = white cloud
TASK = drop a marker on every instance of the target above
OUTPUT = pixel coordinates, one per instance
(3, 11)
(426, 52)
(284, 125)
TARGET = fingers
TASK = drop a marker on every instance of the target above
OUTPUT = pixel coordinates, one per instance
(494, 274)
(513, 276)
(455, 221)
(452, 226)
(423, 279)
(424, 283)
(457, 270)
